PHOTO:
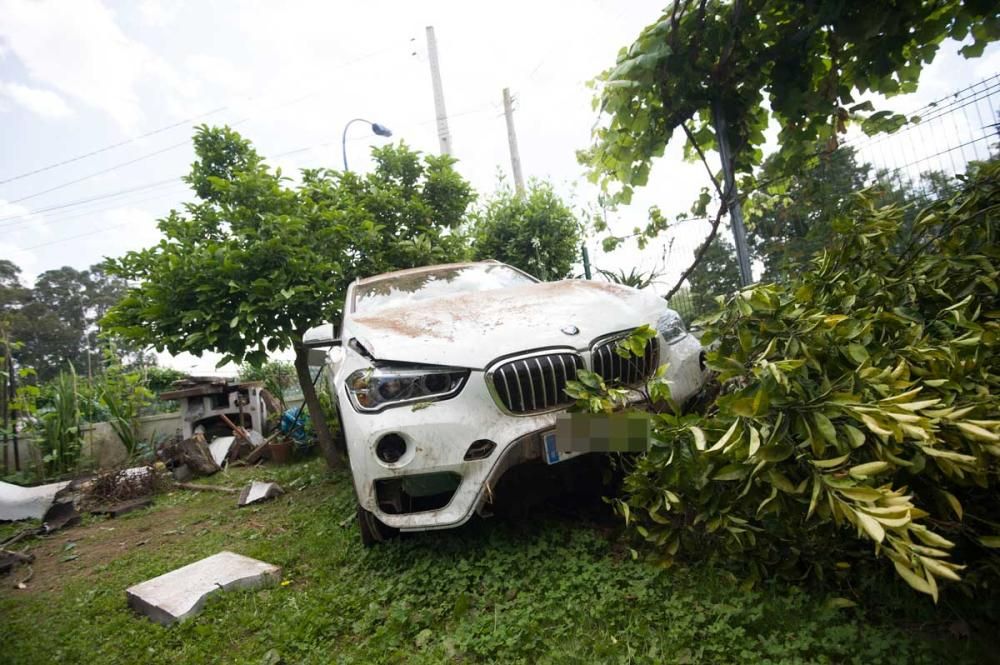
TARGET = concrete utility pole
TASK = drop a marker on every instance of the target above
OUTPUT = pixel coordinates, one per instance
(733, 202)
(515, 156)
(444, 138)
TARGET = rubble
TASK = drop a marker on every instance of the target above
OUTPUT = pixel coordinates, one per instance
(181, 593)
(26, 503)
(220, 448)
(258, 491)
(195, 453)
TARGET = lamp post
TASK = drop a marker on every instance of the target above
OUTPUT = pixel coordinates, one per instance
(379, 130)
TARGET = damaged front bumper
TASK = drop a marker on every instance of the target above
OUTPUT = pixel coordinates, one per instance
(456, 450)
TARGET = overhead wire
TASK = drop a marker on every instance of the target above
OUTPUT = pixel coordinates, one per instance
(175, 146)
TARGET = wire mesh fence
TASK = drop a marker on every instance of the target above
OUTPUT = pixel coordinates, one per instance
(943, 138)
(946, 136)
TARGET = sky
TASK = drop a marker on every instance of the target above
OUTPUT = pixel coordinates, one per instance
(100, 98)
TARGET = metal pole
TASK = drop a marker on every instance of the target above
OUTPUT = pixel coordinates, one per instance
(732, 200)
(515, 156)
(444, 138)
(586, 261)
(343, 139)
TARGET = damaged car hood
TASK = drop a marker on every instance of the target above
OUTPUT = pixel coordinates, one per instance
(472, 329)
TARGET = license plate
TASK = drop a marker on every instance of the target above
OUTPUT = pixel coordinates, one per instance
(552, 454)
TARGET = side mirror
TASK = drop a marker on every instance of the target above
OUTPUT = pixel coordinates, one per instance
(321, 337)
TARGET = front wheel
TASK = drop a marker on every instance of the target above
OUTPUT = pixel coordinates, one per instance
(373, 530)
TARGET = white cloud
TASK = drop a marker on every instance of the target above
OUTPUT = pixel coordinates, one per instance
(157, 13)
(79, 49)
(42, 102)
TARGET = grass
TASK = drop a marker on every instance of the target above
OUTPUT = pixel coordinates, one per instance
(544, 590)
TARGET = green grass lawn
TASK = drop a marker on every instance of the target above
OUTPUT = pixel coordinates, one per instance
(548, 589)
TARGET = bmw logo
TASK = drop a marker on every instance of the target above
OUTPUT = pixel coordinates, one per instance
(570, 330)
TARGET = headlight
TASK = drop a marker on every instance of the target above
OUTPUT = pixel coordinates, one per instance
(376, 388)
(671, 326)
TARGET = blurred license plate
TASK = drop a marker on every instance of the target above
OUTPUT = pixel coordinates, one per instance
(552, 454)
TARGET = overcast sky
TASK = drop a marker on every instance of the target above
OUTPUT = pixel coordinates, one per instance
(80, 76)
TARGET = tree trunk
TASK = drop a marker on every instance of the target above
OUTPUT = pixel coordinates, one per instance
(315, 410)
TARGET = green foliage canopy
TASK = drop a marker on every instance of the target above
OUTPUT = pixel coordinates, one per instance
(254, 262)
(799, 64)
(536, 232)
(860, 398)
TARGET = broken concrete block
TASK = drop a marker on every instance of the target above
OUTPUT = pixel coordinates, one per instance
(195, 453)
(258, 491)
(61, 514)
(182, 473)
(181, 593)
(220, 448)
(25, 503)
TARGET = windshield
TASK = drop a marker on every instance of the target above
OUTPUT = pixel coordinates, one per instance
(415, 286)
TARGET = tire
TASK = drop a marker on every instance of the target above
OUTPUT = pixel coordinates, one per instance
(373, 531)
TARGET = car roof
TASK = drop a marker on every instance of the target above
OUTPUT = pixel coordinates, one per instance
(412, 271)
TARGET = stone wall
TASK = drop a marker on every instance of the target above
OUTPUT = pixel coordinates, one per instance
(102, 446)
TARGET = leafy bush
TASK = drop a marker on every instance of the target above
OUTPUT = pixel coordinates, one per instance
(61, 438)
(278, 377)
(123, 395)
(857, 402)
(535, 232)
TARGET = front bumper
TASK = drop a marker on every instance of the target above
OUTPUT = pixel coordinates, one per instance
(438, 437)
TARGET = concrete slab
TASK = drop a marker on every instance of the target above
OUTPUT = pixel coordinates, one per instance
(181, 593)
(258, 491)
(26, 503)
(220, 448)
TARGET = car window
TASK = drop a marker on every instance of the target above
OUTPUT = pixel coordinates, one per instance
(412, 287)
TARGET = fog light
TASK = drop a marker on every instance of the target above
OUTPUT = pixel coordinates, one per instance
(390, 448)
(480, 449)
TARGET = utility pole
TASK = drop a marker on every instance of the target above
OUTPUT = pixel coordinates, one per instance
(732, 200)
(515, 156)
(444, 138)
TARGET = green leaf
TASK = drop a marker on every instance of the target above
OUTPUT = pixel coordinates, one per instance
(699, 437)
(726, 438)
(870, 526)
(831, 463)
(825, 428)
(869, 469)
(856, 436)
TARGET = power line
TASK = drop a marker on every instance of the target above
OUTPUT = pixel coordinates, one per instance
(78, 214)
(78, 202)
(312, 93)
(102, 171)
(113, 145)
(470, 111)
(80, 235)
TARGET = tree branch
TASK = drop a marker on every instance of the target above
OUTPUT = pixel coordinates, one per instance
(700, 253)
(723, 207)
(701, 155)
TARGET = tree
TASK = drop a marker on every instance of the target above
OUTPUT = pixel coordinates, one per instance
(717, 274)
(792, 217)
(854, 409)
(253, 263)
(536, 232)
(739, 65)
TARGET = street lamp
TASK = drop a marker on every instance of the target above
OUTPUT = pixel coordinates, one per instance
(379, 130)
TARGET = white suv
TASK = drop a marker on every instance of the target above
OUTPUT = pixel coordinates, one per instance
(446, 376)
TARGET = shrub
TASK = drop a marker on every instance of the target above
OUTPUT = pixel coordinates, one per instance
(856, 404)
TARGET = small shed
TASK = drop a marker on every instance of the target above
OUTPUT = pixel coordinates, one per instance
(204, 400)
